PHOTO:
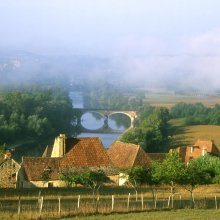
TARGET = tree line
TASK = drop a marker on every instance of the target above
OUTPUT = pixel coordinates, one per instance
(34, 113)
(196, 114)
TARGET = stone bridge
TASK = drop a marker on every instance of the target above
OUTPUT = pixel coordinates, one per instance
(105, 114)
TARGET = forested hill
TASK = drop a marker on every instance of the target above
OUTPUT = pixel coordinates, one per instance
(34, 113)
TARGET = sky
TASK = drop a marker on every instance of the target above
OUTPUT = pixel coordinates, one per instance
(155, 39)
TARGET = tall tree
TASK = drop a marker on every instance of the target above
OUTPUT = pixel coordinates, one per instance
(152, 132)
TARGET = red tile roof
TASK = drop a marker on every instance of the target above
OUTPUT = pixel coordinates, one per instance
(126, 155)
(34, 167)
(85, 152)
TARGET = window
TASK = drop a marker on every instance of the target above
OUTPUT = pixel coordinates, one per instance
(50, 185)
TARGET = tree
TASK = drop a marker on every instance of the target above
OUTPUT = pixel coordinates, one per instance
(71, 176)
(144, 112)
(200, 171)
(169, 171)
(134, 136)
(92, 177)
(152, 132)
(137, 176)
(196, 114)
(154, 177)
(45, 176)
(182, 110)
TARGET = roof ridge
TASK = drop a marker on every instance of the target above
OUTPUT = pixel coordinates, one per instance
(87, 138)
(130, 144)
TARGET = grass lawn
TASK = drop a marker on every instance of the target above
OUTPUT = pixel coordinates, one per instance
(187, 135)
(187, 214)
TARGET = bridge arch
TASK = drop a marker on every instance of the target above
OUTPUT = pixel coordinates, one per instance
(124, 113)
(102, 116)
(105, 114)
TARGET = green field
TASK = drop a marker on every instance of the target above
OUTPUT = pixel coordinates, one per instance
(187, 135)
(185, 214)
(169, 100)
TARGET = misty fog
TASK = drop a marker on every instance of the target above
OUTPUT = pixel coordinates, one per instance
(163, 44)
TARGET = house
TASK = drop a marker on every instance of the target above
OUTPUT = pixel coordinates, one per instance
(66, 153)
(126, 155)
(40, 172)
(200, 148)
(9, 169)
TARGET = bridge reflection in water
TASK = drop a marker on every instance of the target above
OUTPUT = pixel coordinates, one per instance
(105, 128)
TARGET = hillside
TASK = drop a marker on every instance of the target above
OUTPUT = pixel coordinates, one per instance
(186, 135)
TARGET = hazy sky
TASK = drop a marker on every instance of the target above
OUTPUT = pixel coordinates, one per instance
(159, 37)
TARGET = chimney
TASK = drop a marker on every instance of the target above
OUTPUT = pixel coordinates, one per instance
(62, 144)
(59, 147)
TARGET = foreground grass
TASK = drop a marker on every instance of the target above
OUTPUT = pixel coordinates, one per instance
(186, 214)
(183, 214)
(187, 135)
(204, 202)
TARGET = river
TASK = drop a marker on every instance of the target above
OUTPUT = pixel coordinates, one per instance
(93, 122)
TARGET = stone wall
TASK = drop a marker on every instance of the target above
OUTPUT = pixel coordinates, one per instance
(8, 173)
